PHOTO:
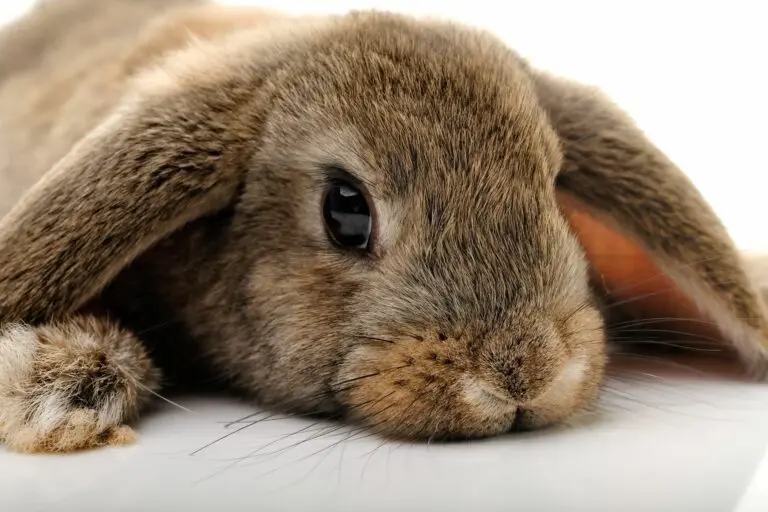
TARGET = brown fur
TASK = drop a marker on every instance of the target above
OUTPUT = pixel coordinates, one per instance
(70, 385)
(170, 172)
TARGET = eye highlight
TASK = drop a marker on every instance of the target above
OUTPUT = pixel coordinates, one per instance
(347, 215)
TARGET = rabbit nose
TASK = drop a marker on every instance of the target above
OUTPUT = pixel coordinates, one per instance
(525, 369)
(525, 391)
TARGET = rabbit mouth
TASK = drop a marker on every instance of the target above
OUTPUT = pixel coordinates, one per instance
(484, 396)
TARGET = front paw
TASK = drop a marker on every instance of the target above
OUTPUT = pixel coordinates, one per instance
(71, 385)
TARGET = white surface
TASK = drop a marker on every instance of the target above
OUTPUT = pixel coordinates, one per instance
(756, 496)
(663, 444)
(687, 72)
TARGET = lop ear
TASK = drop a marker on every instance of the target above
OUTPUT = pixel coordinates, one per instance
(652, 240)
(161, 161)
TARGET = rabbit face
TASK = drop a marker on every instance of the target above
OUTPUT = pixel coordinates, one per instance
(405, 261)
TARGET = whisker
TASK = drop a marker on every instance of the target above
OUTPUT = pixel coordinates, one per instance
(669, 344)
(584, 305)
(668, 390)
(661, 273)
(287, 410)
(634, 399)
(351, 433)
(324, 432)
(136, 382)
(655, 320)
(244, 419)
(637, 298)
(319, 433)
(623, 373)
(222, 438)
(384, 442)
(714, 341)
(328, 450)
(165, 399)
(348, 436)
(374, 338)
(239, 460)
(330, 432)
(374, 374)
(600, 406)
(660, 360)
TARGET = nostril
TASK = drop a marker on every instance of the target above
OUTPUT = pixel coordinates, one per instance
(510, 368)
(524, 378)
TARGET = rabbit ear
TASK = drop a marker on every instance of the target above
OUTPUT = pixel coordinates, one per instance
(157, 164)
(650, 236)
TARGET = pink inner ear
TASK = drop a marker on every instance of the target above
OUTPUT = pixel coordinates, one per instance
(628, 274)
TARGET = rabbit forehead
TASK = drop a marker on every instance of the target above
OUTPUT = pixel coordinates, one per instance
(419, 98)
(425, 100)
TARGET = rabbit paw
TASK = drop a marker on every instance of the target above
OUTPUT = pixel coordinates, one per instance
(71, 385)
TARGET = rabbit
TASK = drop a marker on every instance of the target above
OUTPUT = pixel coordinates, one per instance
(372, 217)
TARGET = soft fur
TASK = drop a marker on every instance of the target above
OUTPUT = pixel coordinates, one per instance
(162, 169)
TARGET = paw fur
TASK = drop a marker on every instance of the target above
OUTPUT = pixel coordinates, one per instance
(71, 386)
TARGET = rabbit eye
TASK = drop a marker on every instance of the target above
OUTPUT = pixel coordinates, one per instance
(347, 216)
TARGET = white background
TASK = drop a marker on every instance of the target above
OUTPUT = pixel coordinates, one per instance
(692, 74)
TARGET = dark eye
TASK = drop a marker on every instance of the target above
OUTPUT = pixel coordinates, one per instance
(347, 216)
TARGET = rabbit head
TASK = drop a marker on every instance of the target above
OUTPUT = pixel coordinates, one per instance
(389, 242)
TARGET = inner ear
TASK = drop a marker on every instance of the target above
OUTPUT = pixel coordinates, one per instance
(641, 298)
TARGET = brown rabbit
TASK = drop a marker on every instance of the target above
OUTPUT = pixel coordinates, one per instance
(360, 216)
